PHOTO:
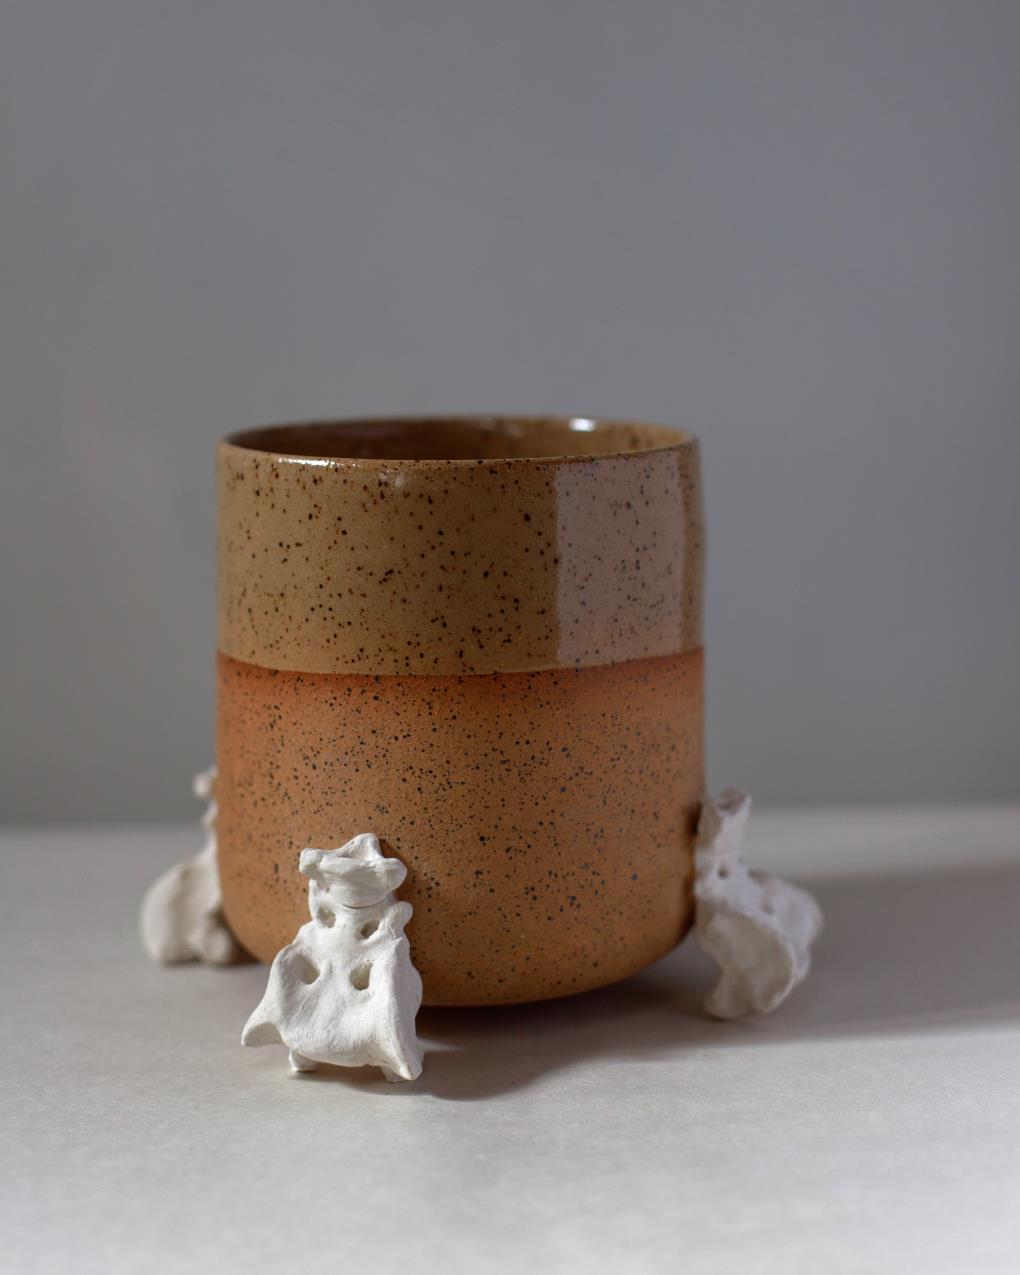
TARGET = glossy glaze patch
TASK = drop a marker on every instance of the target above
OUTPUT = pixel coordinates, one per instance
(442, 567)
(546, 818)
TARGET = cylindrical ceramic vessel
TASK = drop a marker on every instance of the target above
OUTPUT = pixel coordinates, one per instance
(479, 639)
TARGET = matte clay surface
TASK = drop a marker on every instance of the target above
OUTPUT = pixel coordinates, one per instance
(521, 559)
(546, 819)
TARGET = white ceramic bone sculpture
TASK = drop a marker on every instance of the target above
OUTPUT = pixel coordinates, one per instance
(181, 917)
(345, 991)
(757, 928)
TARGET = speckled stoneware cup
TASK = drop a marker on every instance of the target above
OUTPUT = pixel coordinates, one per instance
(479, 639)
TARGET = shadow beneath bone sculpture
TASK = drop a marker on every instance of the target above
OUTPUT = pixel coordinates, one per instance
(900, 954)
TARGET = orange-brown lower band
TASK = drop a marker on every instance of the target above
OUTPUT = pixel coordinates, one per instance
(546, 819)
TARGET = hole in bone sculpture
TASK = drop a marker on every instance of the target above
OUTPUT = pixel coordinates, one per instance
(368, 929)
(305, 969)
(360, 976)
(326, 917)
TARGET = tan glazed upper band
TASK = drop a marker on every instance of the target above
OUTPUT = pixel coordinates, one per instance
(453, 546)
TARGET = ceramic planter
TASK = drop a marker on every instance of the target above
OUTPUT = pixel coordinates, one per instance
(479, 639)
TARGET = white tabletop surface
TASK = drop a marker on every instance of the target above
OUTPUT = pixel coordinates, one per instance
(871, 1124)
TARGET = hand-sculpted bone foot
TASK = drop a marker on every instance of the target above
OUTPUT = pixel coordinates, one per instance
(181, 917)
(757, 928)
(345, 991)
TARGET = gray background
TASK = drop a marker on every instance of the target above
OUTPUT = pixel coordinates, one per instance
(793, 228)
